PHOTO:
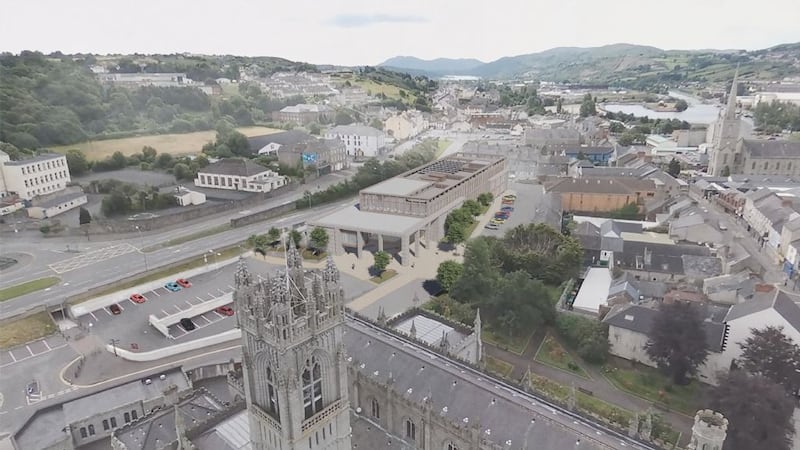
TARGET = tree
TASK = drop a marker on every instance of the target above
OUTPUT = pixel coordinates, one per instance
(473, 207)
(319, 238)
(164, 161)
(770, 353)
(448, 273)
(84, 217)
(681, 105)
(382, 260)
(314, 129)
(149, 154)
(674, 168)
(588, 106)
(342, 118)
(376, 123)
(485, 199)
(456, 233)
(182, 172)
(628, 212)
(759, 412)
(589, 337)
(295, 237)
(677, 341)
(76, 162)
(273, 234)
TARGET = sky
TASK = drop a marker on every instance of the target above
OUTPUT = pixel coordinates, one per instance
(367, 32)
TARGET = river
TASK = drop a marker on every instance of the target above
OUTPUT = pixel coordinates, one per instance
(697, 112)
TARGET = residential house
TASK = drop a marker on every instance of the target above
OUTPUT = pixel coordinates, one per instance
(304, 114)
(656, 261)
(729, 289)
(269, 144)
(598, 195)
(405, 125)
(360, 141)
(598, 155)
(732, 201)
(239, 175)
(324, 155)
(553, 140)
(42, 174)
(766, 213)
(57, 204)
(790, 242)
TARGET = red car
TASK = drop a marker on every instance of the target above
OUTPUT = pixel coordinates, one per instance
(184, 283)
(225, 310)
(137, 298)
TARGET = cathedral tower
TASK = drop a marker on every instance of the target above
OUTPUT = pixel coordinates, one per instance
(295, 378)
(726, 135)
(709, 430)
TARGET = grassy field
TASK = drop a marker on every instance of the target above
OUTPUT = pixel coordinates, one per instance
(650, 384)
(553, 354)
(498, 366)
(512, 344)
(386, 275)
(388, 90)
(20, 331)
(175, 144)
(441, 146)
(27, 287)
(163, 273)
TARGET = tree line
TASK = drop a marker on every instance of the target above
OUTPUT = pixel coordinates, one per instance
(777, 116)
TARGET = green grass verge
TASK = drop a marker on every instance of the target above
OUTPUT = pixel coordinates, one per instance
(162, 273)
(386, 275)
(553, 354)
(516, 344)
(441, 146)
(498, 366)
(189, 237)
(27, 287)
(26, 329)
(650, 384)
(310, 256)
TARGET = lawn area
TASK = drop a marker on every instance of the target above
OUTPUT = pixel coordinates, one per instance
(441, 146)
(27, 287)
(515, 344)
(386, 275)
(389, 90)
(309, 255)
(175, 144)
(191, 237)
(553, 354)
(498, 366)
(20, 331)
(170, 270)
(652, 385)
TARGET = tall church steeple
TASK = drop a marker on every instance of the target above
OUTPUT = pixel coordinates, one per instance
(723, 156)
(295, 378)
(730, 112)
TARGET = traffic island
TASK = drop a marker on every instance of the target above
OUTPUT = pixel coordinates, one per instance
(27, 287)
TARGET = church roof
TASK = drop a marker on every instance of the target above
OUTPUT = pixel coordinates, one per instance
(772, 149)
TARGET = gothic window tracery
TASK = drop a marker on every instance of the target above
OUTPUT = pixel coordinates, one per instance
(312, 387)
(272, 394)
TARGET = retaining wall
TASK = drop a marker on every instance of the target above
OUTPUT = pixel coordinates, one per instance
(263, 215)
(164, 323)
(172, 350)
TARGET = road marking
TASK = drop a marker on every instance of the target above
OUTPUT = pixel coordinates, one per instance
(221, 291)
(29, 350)
(165, 314)
(154, 292)
(93, 316)
(120, 306)
(205, 318)
(46, 345)
(107, 311)
(178, 308)
(232, 288)
(189, 303)
(218, 314)
(198, 297)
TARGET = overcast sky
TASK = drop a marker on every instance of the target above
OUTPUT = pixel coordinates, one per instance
(359, 32)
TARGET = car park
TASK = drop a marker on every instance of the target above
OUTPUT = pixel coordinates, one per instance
(507, 209)
(492, 226)
(182, 282)
(137, 298)
(172, 286)
(225, 310)
(187, 324)
(115, 309)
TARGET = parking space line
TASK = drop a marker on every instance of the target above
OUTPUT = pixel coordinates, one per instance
(12, 356)
(107, 311)
(198, 297)
(91, 313)
(212, 296)
(218, 314)
(165, 313)
(232, 288)
(120, 307)
(189, 303)
(154, 292)
(205, 318)
(178, 308)
(29, 350)
(132, 302)
(46, 345)
(221, 291)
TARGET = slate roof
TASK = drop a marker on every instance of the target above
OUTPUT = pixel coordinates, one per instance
(663, 257)
(588, 234)
(290, 137)
(61, 199)
(783, 303)
(589, 150)
(640, 319)
(234, 167)
(610, 185)
(772, 149)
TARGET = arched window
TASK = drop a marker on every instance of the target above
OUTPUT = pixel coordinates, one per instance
(91, 430)
(105, 425)
(411, 430)
(127, 417)
(312, 387)
(451, 446)
(134, 416)
(83, 432)
(273, 395)
(375, 409)
(113, 422)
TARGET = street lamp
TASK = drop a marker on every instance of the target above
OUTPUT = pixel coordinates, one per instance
(141, 238)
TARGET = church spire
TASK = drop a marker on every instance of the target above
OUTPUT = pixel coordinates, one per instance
(730, 112)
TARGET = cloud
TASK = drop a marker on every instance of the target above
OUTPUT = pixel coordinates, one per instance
(364, 20)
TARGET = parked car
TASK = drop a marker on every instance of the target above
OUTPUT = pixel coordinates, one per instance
(115, 309)
(498, 221)
(507, 209)
(187, 324)
(172, 286)
(492, 226)
(183, 282)
(137, 298)
(501, 215)
(225, 310)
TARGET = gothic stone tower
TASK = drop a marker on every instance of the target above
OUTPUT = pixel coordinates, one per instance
(709, 430)
(295, 377)
(726, 135)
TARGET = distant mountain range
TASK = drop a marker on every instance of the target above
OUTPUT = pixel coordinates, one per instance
(616, 63)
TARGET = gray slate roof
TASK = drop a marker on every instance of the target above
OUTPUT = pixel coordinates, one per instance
(55, 201)
(663, 257)
(640, 319)
(234, 167)
(589, 150)
(783, 303)
(772, 149)
(290, 137)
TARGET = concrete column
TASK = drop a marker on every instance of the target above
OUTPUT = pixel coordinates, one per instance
(359, 244)
(380, 242)
(416, 244)
(404, 256)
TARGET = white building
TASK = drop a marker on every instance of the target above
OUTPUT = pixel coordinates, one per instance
(405, 125)
(185, 197)
(359, 140)
(57, 205)
(43, 174)
(239, 175)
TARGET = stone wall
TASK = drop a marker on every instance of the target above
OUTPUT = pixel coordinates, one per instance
(263, 215)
